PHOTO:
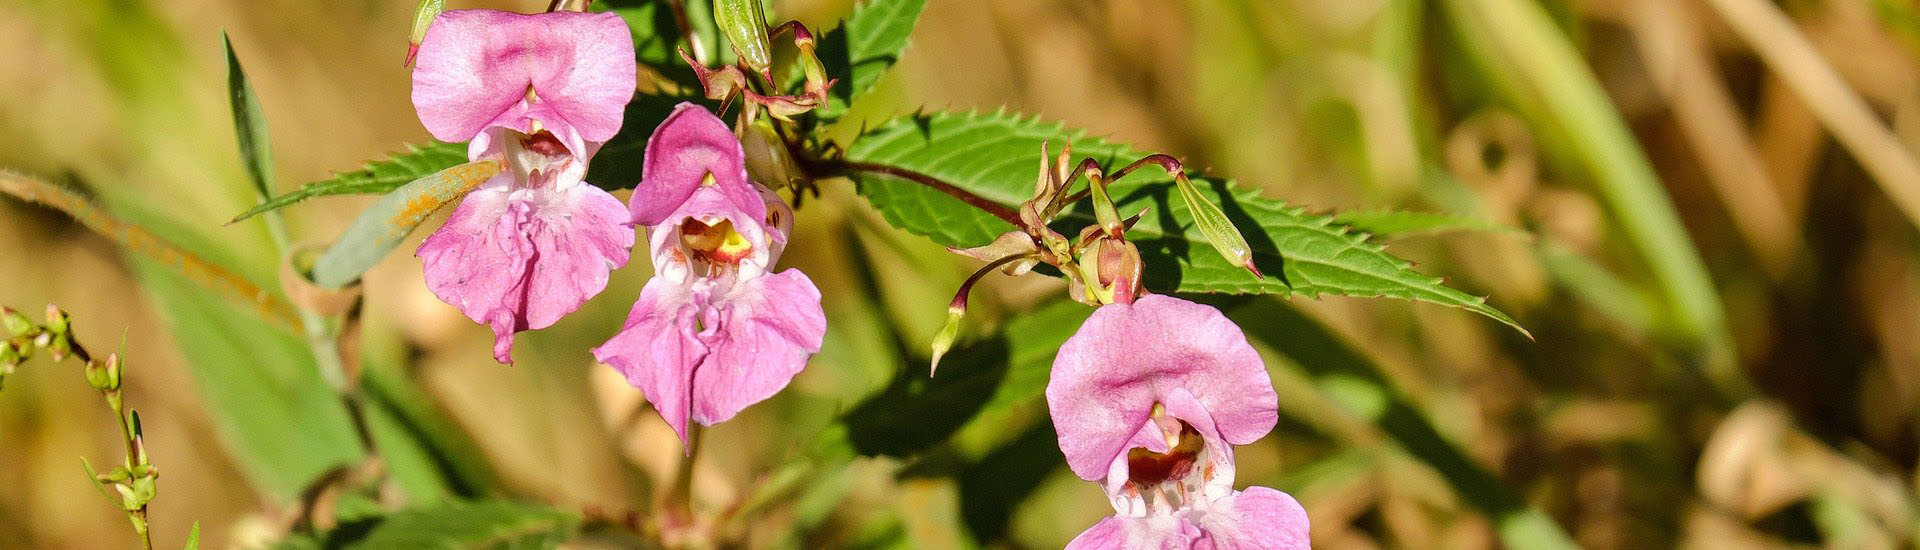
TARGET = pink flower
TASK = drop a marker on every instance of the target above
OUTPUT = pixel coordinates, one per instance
(1149, 399)
(539, 93)
(715, 330)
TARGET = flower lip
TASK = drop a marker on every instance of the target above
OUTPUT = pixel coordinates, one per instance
(716, 244)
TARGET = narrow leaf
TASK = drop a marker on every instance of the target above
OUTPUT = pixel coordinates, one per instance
(991, 156)
(193, 537)
(137, 240)
(249, 124)
(376, 177)
(381, 226)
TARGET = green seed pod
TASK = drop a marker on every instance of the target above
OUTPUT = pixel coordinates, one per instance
(745, 24)
(1214, 224)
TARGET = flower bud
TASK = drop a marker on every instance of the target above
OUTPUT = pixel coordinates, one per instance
(104, 376)
(56, 320)
(422, 19)
(745, 24)
(16, 324)
(768, 161)
(1110, 270)
(943, 341)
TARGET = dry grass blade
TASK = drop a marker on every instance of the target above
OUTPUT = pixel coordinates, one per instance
(1677, 53)
(138, 240)
(1772, 35)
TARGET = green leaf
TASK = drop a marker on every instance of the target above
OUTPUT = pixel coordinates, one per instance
(995, 156)
(272, 409)
(1397, 223)
(375, 177)
(381, 226)
(864, 47)
(449, 526)
(249, 124)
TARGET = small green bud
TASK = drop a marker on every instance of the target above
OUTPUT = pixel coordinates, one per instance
(768, 161)
(10, 355)
(16, 324)
(943, 341)
(113, 371)
(56, 320)
(116, 475)
(96, 373)
(745, 24)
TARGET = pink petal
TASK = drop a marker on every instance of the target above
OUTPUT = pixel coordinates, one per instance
(658, 350)
(1127, 357)
(476, 65)
(1137, 533)
(519, 260)
(1109, 534)
(687, 146)
(766, 328)
(1257, 519)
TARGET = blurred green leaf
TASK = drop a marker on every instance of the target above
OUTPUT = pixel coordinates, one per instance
(1397, 223)
(377, 177)
(863, 47)
(193, 537)
(480, 525)
(1353, 379)
(995, 156)
(382, 225)
(427, 454)
(283, 424)
(985, 375)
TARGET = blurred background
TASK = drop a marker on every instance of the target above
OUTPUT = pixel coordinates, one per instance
(1717, 258)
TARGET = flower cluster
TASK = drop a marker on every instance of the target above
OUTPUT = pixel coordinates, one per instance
(716, 329)
(1149, 398)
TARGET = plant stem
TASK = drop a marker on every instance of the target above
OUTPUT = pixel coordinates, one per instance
(679, 500)
(998, 210)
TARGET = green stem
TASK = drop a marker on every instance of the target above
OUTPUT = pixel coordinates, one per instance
(679, 501)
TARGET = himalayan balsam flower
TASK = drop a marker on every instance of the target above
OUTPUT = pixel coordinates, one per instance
(715, 330)
(1149, 398)
(538, 93)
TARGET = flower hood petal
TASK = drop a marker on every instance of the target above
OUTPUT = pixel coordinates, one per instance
(690, 144)
(475, 66)
(1127, 357)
